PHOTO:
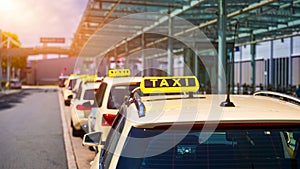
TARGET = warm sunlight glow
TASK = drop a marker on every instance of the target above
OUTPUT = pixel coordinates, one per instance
(6, 5)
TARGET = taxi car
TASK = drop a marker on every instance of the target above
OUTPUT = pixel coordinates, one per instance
(68, 87)
(71, 86)
(109, 97)
(81, 106)
(61, 80)
(196, 131)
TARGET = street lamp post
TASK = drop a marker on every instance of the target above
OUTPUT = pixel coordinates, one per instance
(8, 65)
(0, 61)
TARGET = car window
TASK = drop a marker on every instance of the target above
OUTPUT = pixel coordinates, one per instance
(225, 148)
(117, 95)
(89, 94)
(71, 84)
(79, 93)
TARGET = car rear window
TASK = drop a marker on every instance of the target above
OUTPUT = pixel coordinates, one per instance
(117, 95)
(89, 94)
(264, 147)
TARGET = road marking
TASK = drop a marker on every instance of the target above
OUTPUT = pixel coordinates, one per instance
(67, 140)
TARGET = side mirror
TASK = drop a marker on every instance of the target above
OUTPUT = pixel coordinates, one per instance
(139, 105)
(91, 139)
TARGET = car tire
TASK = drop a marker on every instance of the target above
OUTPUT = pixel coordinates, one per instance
(76, 133)
(91, 148)
(67, 102)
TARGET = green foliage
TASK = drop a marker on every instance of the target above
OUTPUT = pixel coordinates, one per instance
(16, 62)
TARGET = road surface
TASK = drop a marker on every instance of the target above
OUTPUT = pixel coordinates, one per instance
(31, 131)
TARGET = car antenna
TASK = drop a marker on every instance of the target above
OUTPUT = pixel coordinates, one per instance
(227, 102)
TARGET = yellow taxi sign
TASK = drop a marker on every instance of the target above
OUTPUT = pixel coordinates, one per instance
(172, 84)
(119, 72)
(90, 78)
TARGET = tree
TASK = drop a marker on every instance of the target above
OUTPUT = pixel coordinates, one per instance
(14, 42)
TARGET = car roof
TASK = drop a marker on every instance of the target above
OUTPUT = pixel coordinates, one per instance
(116, 80)
(91, 85)
(165, 110)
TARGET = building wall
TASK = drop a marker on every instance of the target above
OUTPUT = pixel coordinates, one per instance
(47, 71)
(296, 70)
(279, 72)
(259, 72)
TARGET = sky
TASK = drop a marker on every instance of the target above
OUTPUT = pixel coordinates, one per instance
(32, 19)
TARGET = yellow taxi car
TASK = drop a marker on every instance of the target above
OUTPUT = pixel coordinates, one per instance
(197, 131)
(72, 84)
(81, 106)
(109, 97)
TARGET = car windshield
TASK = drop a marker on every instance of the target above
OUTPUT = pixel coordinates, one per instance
(117, 95)
(266, 147)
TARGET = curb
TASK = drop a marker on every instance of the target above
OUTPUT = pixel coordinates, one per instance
(9, 92)
(67, 140)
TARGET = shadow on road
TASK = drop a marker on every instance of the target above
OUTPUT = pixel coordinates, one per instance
(8, 101)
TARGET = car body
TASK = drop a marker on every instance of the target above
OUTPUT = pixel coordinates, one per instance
(81, 106)
(109, 97)
(67, 90)
(61, 80)
(72, 84)
(15, 84)
(195, 131)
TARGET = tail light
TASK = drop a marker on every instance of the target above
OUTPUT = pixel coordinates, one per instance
(82, 107)
(108, 119)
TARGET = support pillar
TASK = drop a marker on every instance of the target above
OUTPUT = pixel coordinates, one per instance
(143, 54)
(222, 47)
(241, 66)
(170, 47)
(271, 64)
(231, 69)
(290, 75)
(253, 63)
(188, 57)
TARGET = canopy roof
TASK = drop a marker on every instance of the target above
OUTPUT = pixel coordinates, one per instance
(247, 22)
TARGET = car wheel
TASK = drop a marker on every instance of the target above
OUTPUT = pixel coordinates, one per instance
(76, 133)
(92, 148)
(67, 102)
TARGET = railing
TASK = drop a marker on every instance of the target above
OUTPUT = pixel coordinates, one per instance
(280, 96)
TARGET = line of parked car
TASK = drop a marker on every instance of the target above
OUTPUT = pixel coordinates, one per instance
(163, 122)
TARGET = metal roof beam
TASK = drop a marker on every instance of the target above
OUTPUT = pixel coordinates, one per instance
(269, 39)
(109, 13)
(275, 29)
(145, 3)
(161, 20)
(230, 15)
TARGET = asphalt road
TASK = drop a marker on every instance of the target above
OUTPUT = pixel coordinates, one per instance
(31, 135)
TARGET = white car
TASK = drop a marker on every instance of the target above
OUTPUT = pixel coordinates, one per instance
(67, 91)
(195, 131)
(72, 84)
(109, 97)
(81, 106)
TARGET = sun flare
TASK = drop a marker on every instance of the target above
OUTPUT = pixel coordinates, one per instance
(6, 5)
